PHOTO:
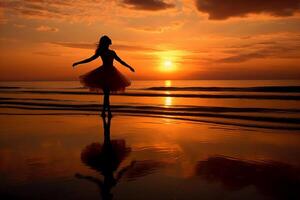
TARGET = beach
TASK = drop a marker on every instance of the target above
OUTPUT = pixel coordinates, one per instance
(166, 140)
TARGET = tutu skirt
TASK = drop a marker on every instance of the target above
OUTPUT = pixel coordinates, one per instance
(105, 78)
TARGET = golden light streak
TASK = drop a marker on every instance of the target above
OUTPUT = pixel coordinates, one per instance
(168, 83)
(168, 101)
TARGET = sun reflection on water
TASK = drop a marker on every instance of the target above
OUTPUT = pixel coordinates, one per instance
(168, 99)
(168, 83)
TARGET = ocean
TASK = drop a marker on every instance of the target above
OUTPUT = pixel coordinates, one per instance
(170, 139)
(267, 104)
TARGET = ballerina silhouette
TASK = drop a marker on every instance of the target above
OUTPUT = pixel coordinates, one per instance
(105, 78)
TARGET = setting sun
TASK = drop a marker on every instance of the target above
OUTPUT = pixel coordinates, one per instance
(168, 65)
(169, 60)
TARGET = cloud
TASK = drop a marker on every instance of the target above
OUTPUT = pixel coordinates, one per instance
(133, 47)
(84, 11)
(152, 5)
(76, 45)
(46, 53)
(124, 47)
(19, 25)
(3, 19)
(158, 27)
(71, 10)
(284, 46)
(244, 57)
(224, 9)
(33, 9)
(46, 29)
(274, 51)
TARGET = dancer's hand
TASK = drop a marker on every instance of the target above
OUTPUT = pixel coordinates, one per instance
(74, 64)
(131, 69)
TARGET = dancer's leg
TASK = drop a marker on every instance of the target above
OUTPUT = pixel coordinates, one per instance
(108, 104)
(104, 104)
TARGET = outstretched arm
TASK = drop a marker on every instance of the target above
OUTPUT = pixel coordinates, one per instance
(122, 62)
(124, 170)
(86, 60)
(89, 178)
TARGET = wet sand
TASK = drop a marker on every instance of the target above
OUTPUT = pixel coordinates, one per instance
(139, 157)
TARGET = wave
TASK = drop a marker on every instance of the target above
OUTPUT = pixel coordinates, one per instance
(5, 88)
(33, 99)
(284, 89)
(273, 89)
(199, 120)
(288, 120)
(228, 113)
(9, 87)
(217, 109)
(141, 94)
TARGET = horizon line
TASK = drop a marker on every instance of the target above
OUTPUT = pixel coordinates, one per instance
(284, 79)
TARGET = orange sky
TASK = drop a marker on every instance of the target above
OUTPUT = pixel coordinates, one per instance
(161, 39)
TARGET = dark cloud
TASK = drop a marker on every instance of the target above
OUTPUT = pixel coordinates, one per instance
(282, 49)
(270, 52)
(116, 46)
(224, 9)
(244, 57)
(148, 4)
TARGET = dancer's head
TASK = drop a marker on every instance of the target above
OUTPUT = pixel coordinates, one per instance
(104, 43)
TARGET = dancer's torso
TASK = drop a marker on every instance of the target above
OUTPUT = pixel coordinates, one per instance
(107, 58)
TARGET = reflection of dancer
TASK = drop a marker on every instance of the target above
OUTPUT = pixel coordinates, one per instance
(106, 78)
(106, 159)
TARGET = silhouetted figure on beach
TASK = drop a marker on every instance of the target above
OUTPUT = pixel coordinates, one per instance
(105, 78)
